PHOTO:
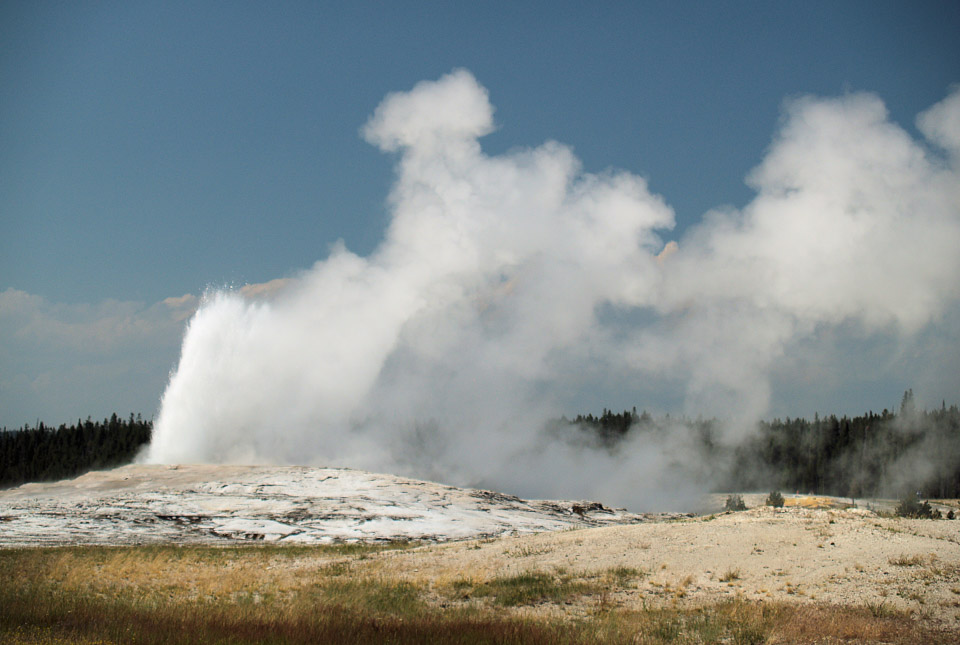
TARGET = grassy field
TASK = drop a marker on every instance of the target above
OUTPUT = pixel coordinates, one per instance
(350, 594)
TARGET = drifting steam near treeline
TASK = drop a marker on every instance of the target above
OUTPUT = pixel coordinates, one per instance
(887, 454)
(505, 284)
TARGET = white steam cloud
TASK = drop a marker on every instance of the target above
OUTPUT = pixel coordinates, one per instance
(504, 283)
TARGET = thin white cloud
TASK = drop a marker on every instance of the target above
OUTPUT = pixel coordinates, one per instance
(104, 327)
(64, 361)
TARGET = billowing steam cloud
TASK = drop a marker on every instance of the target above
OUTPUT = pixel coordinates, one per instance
(504, 283)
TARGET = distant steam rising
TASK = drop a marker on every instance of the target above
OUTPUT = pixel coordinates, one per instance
(442, 354)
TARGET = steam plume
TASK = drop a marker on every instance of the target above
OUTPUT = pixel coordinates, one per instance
(506, 282)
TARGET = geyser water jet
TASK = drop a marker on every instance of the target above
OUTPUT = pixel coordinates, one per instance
(505, 283)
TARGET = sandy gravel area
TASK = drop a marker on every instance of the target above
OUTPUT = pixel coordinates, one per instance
(849, 557)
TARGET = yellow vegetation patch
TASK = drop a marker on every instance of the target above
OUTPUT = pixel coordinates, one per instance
(815, 502)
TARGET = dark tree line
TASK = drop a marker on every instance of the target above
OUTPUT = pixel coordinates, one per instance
(871, 455)
(611, 427)
(46, 454)
(887, 454)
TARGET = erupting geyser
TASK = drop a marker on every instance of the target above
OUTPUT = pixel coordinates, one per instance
(504, 283)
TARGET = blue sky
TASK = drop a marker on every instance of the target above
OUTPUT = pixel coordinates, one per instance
(150, 150)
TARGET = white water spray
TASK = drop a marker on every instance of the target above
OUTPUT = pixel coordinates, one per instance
(505, 283)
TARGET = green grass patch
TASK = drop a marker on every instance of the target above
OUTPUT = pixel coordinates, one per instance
(622, 576)
(375, 597)
(529, 588)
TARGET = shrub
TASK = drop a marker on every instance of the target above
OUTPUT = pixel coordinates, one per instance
(735, 503)
(909, 506)
(775, 499)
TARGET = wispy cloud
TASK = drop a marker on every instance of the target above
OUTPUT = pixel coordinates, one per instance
(103, 328)
(63, 361)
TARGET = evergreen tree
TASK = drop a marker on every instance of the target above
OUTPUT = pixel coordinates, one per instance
(42, 454)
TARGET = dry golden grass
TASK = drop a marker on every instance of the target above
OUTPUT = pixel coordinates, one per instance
(360, 594)
(907, 560)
